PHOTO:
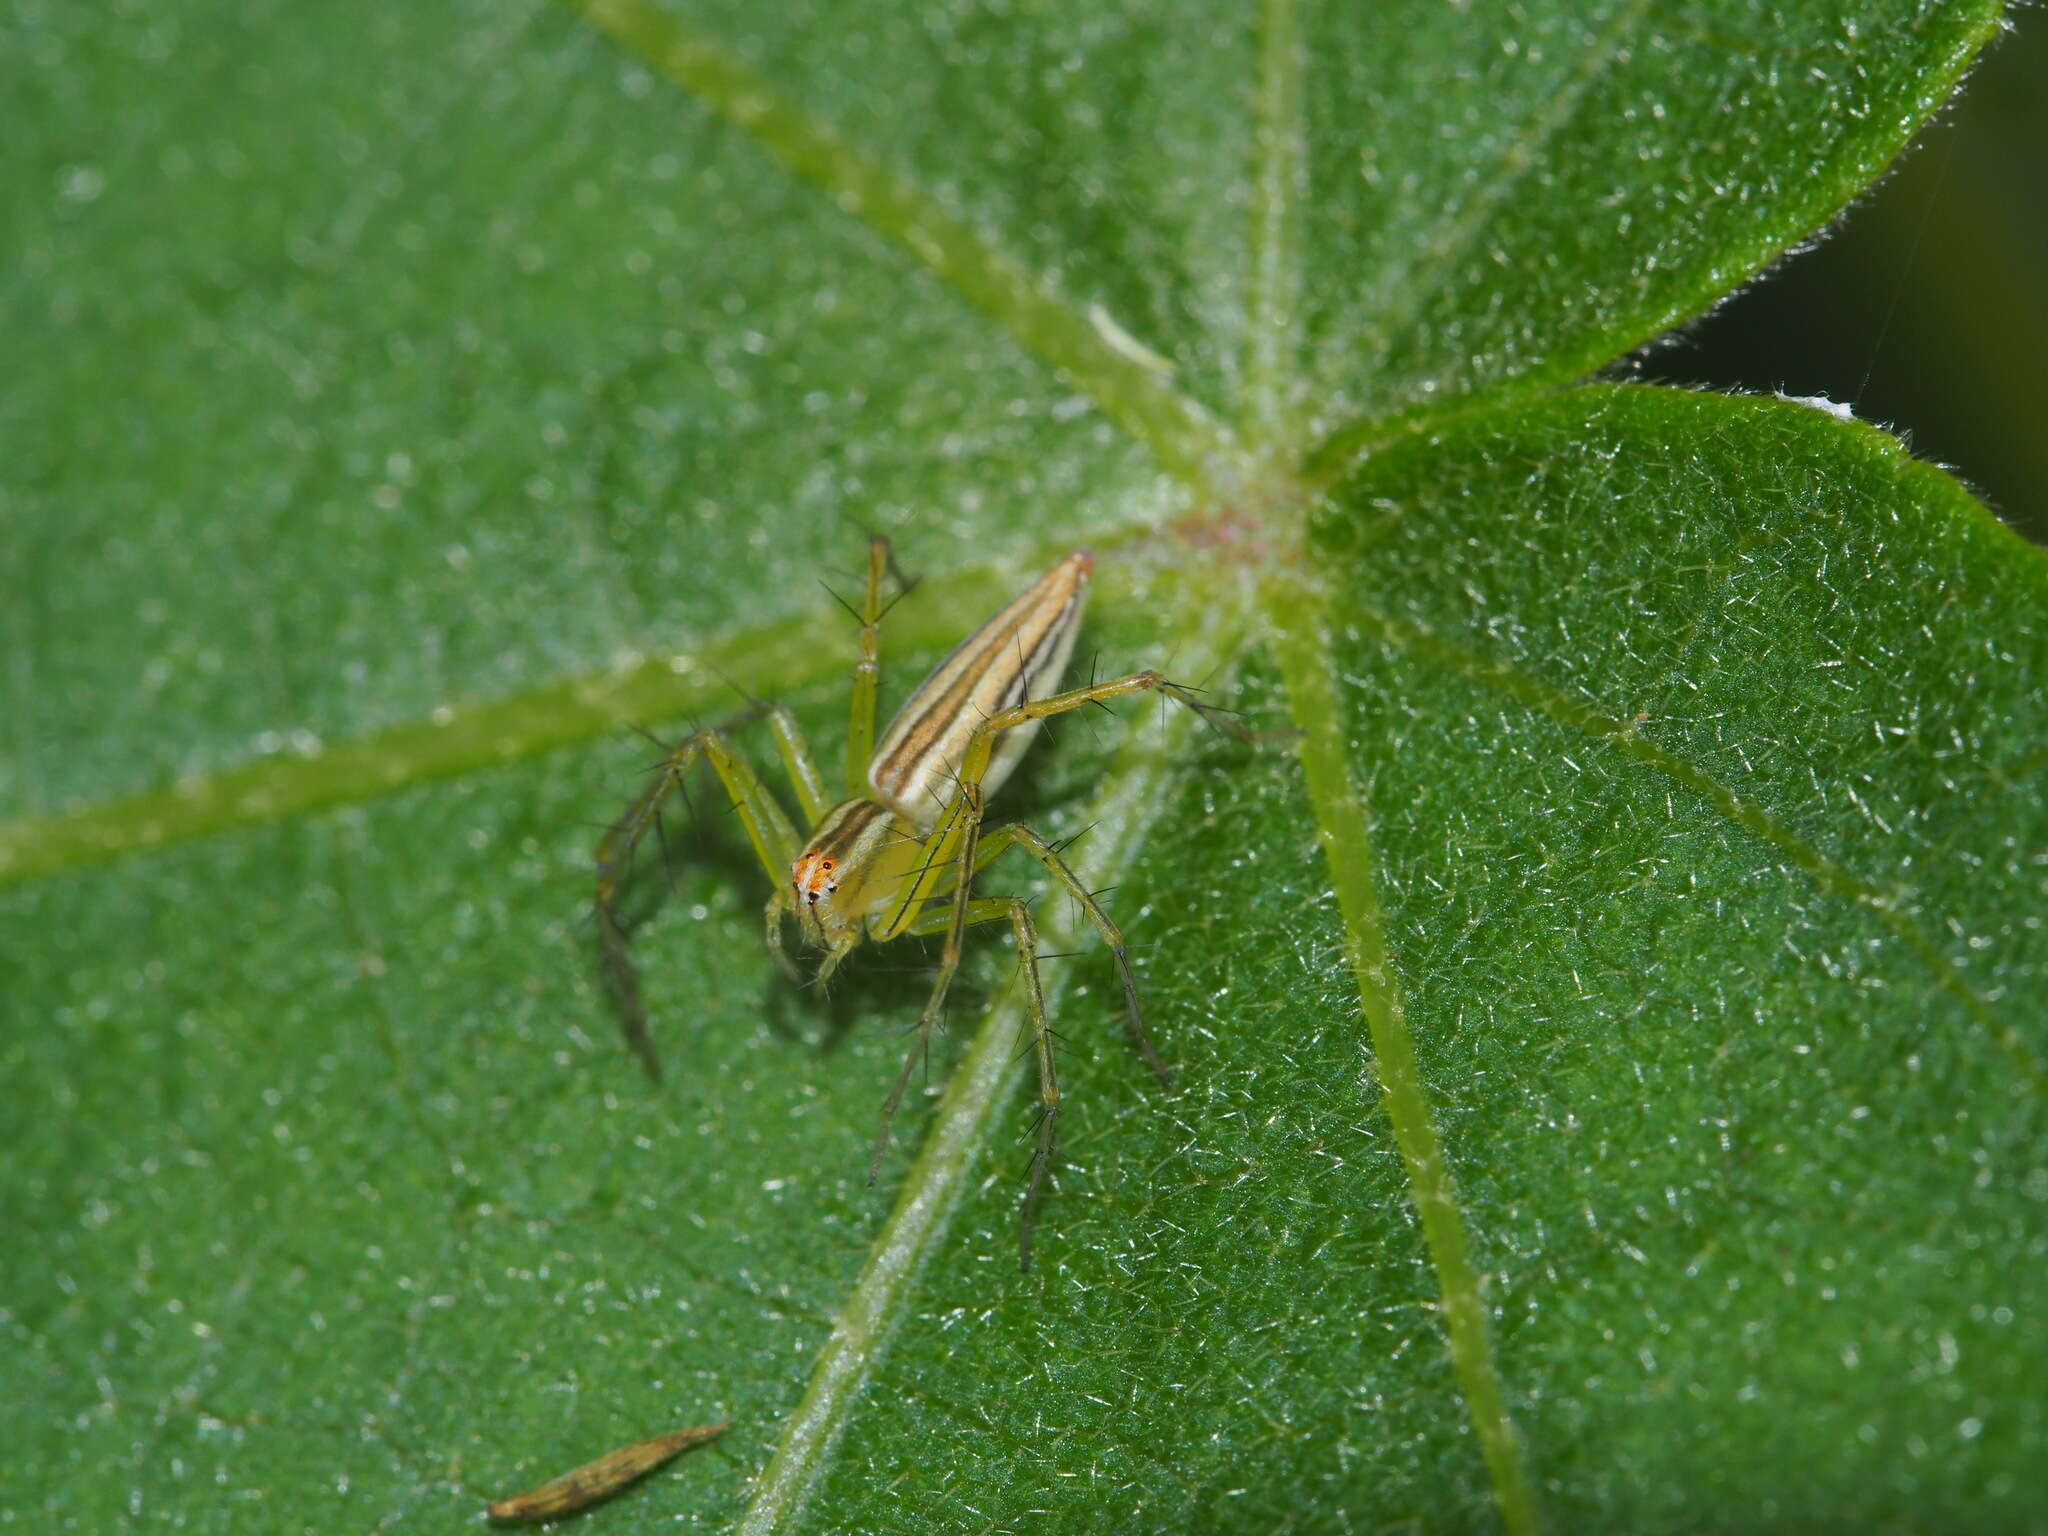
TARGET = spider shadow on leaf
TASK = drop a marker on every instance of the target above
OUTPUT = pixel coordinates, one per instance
(706, 852)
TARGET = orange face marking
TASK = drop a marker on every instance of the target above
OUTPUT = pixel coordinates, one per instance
(811, 874)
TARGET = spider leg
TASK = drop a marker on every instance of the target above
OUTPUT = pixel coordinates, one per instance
(954, 847)
(867, 670)
(802, 768)
(767, 828)
(1021, 837)
(954, 841)
(1006, 909)
(947, 875)
(1048, 1077)
(777, 913)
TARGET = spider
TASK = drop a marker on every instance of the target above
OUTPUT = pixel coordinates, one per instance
(899, 854)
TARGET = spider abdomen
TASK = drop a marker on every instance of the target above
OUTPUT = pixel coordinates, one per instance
(1017, 656)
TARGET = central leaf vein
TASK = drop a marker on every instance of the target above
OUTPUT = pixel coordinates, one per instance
(1343, 823)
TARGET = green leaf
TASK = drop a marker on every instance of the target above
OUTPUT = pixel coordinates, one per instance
(1605, 1006)
(1713, 919)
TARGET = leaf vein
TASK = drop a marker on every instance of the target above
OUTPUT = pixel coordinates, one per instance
(1279, 182)
(780, 656)
(1832, 876)
(1133, 796)
(1452, 243)
(1128, 386)
(1343, 823)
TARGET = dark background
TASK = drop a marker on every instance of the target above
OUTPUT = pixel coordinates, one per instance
(1926, 307)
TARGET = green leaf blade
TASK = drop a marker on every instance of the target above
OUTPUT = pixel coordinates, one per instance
(1694, 1088)
(1230, 1322)
(1619, 167)
(399, 398)
(316, 1233)
(518, 342)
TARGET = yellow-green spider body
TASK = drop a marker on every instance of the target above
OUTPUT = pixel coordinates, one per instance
(898, 855)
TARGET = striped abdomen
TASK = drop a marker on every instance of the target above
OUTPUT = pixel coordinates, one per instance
(1017, 655)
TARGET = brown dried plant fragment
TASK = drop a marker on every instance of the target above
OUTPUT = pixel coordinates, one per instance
(596, 1481)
